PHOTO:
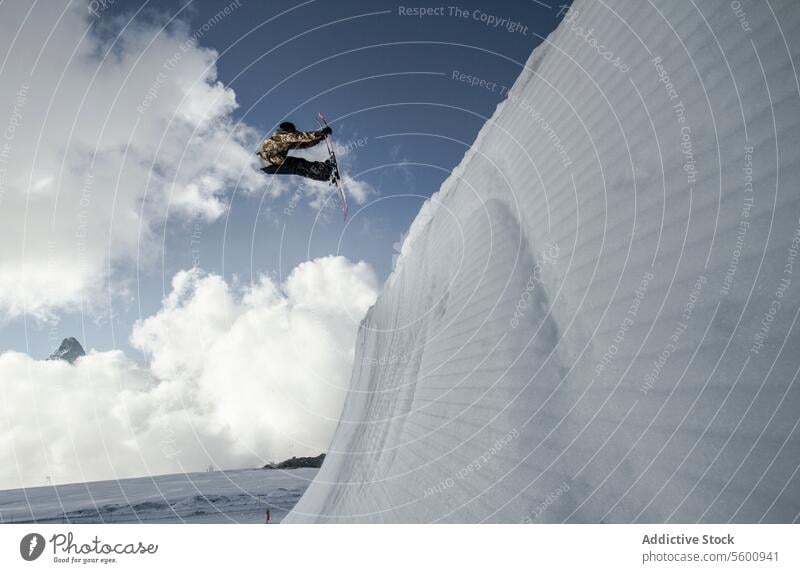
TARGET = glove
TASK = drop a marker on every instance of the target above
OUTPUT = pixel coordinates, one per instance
(326, 131)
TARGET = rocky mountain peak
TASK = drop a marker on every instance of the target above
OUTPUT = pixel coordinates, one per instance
(70, 350)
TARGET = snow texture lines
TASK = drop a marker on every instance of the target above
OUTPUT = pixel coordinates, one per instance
(628, 375)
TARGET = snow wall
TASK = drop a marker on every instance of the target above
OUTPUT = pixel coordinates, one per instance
(595, 319)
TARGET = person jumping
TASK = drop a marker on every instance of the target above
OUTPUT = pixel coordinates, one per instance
(275, 151)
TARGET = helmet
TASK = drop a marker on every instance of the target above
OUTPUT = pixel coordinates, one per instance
(287, 126)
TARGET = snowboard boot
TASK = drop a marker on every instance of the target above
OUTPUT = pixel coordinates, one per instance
(334, 170)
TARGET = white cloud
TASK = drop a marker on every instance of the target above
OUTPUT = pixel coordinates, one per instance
(96, 141)
(235, 376)
(359, 189)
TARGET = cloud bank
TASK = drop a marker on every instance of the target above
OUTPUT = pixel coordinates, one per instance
(110, 124)
(235, 376)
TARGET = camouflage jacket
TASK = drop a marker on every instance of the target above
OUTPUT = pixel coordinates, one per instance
(274, 149)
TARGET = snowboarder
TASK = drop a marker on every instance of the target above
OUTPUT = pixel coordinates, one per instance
(275, 149)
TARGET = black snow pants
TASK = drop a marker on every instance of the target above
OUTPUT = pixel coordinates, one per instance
(318, 170)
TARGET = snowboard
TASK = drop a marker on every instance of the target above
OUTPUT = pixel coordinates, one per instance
(336, 178)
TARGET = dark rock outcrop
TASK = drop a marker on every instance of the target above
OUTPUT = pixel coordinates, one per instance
(70, 350)
(295, 463)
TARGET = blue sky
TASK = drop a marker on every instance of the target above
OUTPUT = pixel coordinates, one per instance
(384, 80)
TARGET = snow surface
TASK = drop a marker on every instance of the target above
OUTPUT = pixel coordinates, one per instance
(237, 496)
(594, 320)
